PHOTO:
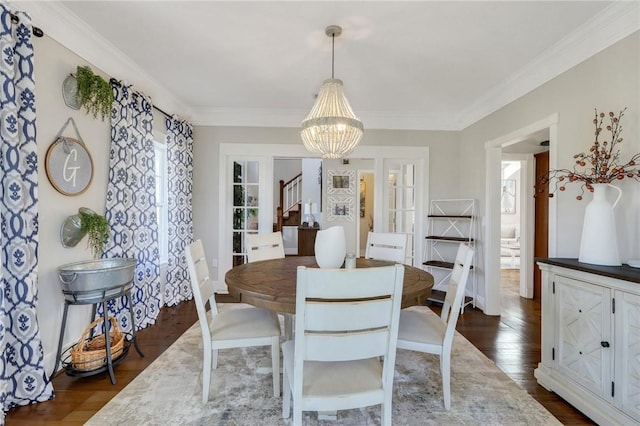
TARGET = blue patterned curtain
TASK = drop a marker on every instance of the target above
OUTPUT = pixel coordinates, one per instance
(22, 377)
(131, 203)
(180, 178)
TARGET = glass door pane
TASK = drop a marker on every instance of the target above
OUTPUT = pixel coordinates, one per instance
(400, 206)
(245, 206)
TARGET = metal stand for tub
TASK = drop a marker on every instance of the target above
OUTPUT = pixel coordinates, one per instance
(93, 297)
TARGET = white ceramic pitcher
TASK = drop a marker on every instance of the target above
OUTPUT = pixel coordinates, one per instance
(599, 243)
(330, 247)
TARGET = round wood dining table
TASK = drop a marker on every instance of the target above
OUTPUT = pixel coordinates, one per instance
(271, 284)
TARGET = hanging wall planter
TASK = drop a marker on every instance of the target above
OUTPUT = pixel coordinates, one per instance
(88, 90)
(70, 92)
(97, 229)
(86, 222)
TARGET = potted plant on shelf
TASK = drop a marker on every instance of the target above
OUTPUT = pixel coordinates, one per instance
(94, 92)
(97, 229)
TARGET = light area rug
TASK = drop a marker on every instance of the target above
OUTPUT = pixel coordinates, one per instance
(169, 391)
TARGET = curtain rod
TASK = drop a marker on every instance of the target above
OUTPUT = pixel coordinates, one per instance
(36, 31)
(117, 83)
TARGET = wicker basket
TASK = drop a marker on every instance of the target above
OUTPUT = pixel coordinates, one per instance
(90, 354)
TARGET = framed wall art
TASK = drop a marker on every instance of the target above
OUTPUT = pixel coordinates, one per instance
(341, 182)
(341, 208)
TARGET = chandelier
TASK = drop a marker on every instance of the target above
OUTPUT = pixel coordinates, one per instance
(331, 129)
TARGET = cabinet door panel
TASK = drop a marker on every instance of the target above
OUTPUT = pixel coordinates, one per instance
(628, 352)
(584, 321)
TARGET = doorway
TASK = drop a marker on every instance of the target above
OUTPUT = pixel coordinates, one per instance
(511, 213)
(365, 208)
(408, 163)
(300, 197)
(526, 142)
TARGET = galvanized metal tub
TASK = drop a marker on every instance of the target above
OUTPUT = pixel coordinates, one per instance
(96, 279)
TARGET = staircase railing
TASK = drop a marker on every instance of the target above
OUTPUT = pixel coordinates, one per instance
(290, 198)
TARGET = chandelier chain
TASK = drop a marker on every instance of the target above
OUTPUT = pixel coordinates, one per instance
(333, 52)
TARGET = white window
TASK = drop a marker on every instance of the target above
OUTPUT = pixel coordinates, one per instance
(162, 212)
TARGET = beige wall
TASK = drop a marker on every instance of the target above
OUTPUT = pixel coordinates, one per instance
(608, 81)
(53, 63)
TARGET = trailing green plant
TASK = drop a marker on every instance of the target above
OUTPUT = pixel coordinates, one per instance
(97, 229)
(94, 92)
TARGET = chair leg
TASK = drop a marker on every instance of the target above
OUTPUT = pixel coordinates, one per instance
(215, 359)
(385, 418)
(275, 365)
(297, 414)
(286, 395)
(445, 371)
(206, 375)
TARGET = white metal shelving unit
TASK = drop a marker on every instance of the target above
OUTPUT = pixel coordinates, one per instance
(450, 222)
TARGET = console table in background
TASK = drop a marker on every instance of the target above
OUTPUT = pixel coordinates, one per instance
(591, 338)
(306, 240)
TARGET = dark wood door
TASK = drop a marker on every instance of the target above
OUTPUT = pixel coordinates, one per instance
(541, 233)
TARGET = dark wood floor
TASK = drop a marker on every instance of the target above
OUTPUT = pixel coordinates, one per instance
(512, 341)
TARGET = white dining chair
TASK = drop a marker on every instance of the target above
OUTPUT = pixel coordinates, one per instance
(425, 331)
(235, 328)
(346, 320)
(264, 246)
(386, 246)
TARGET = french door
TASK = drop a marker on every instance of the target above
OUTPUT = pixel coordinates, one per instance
(399, 210)
(245, 205)
(246, 195)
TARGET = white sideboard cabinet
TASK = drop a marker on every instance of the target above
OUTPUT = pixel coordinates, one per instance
(591, 338)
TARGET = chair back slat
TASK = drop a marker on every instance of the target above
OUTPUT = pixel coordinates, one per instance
(264, 246)
(347, 314)
(345, 283)
(346, 346)
(386, 246)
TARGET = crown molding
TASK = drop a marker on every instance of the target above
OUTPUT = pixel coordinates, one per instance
(616, 22)
(62, 25)
(407, 120)
(241, 117)
(248, 117)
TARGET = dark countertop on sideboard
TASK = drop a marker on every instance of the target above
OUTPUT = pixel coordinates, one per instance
(624, 272)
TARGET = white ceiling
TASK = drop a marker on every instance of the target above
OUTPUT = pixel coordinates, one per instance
(405, 65)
